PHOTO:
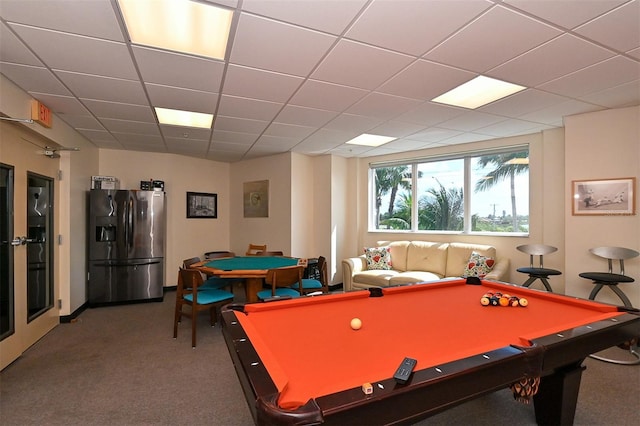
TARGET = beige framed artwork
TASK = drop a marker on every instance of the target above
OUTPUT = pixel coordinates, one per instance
(255, 198)
(604, 197)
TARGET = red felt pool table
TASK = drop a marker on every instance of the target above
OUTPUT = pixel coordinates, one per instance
(299, 361)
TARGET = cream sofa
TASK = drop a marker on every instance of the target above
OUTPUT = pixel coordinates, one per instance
(419, 261)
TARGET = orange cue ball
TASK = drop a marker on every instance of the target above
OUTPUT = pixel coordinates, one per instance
(356, 323)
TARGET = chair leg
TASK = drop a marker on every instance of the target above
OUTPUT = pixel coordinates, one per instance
(528, 282)
(194, 320)
(546, 284)
(176, 319)
(633, 350)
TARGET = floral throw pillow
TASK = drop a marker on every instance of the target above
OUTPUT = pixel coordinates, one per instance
(478, 265)
(378, 257)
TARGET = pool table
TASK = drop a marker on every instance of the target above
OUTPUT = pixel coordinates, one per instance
(253, 270)
(300, 362)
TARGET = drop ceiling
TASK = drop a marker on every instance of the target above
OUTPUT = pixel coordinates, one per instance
(308, 75)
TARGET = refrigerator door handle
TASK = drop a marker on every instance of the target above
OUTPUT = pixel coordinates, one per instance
(129, 263)
(130, 230)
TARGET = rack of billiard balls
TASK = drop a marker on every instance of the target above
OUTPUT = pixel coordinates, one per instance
(499, 299)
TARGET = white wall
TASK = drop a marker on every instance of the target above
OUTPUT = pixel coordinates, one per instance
(275, 230)
(185, 237)
(601, 145)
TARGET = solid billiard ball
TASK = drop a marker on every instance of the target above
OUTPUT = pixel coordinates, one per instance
(356, 323)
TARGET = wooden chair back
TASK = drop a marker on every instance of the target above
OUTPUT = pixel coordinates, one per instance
(285, 277)
(270, 253)
(253, 249)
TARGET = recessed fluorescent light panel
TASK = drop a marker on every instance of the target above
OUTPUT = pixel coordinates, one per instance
(180, 25)
(176, 117)
(478, 92)
(370, 140)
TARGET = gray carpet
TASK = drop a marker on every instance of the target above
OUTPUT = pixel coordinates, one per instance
(120, 365)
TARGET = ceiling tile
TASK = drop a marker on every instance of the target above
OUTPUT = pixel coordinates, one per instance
(104, 88)
(256, 84)
(429, 114)
(553, 115)
(289, 49)
(434, 134)
(178, 70)
(70, 52)
(14, 51)
(471, 121)
(565, 13)
(288, 130)
(326, 96)
(625, 19)
(33, 79)
(182, 99)
(358, 65)
(425, 80)
(522, 103)
(413, 27)
(127, 126)
(609, 73)
(98, 17)
(561, 56)
(352, 123)
(185, 133)
(102, 109)
(382, 106)
(232, 124)
(233, 106)
(234, 137)
(627, 94)
(495, 37)
(61, 104)
(329, 16)
(396, 129)
(303, 116)
(81, 121)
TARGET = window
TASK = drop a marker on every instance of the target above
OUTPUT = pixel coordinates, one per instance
(497, 184)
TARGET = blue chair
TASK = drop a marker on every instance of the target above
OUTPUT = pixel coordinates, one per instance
(189, 293)
(281, 280)
(312, 285)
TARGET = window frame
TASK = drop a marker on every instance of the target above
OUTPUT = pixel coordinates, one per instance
(413, 163)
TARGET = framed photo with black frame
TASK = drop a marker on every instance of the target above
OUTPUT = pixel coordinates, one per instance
(202, 205)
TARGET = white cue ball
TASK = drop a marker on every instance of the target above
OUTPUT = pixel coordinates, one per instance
(356, 323)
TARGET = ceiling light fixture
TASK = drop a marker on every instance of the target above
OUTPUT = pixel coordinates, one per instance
(179, 25)
(366, 139)
(176, 117)
(478, 92)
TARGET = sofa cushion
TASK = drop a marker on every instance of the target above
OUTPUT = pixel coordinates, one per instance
(375, 277)
(411, 277)
(427, 256)
(398, 253)
(378, 258)
(459, 253)
(478, 265)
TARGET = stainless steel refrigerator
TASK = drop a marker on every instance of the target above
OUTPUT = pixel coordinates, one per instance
(126, 245)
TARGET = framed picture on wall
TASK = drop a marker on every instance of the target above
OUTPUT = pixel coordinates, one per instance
(255, 198)
(604, 197)
(201, 205)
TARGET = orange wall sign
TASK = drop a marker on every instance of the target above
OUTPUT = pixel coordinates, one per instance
(40, 113)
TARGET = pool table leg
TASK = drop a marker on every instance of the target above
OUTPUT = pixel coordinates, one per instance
(557, 397)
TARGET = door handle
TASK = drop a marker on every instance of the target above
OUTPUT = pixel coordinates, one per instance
(19, 241)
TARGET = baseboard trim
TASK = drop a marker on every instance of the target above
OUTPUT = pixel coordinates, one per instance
(72, 317)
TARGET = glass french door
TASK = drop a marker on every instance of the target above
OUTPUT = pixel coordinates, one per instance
(7, 320)
(28, 282)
